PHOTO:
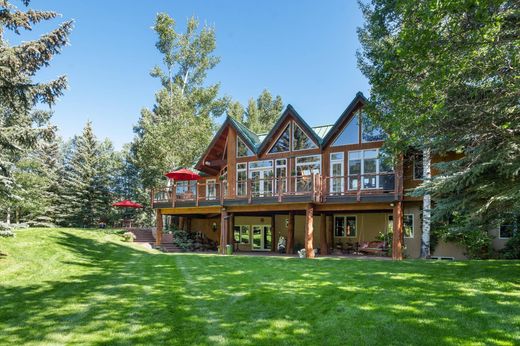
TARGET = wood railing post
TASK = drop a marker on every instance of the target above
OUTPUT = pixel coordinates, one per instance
(249, 191)
(313, 182)
(221, 193)
(174, 194)
(280, 188)
(197, 194)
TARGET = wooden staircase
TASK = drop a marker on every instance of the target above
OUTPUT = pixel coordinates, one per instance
(146, 236)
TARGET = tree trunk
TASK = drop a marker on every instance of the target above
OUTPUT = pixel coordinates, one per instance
(425, 239)
(8, 217)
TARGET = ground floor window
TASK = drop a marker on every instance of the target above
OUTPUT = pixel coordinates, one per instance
(509, 229)
(408, 225)
(345, 226)
(241, 234)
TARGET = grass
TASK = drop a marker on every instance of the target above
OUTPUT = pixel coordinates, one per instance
(68, 286)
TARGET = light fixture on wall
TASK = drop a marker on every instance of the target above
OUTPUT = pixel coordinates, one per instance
(391, 204)
(214, 226)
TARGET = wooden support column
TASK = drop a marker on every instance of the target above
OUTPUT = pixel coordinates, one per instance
(330, 232)
(231, 226)
(181, 222)
(274, 243)
(324, 247)
(397, 243)
(159, 228)
(223, 231)
(309, 229)
(188, 224)
(290, 233)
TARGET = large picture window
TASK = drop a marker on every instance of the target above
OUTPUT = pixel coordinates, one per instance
(408, 225)
(350, 134)
(345, 226)
(261, 175)
(300, 139)
(305, 167)
(370, 132)
(241, 234)
(242, 149)
(364, 171)
(283, 143)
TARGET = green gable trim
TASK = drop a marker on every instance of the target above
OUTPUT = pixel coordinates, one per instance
(289, 110)
(359, 98)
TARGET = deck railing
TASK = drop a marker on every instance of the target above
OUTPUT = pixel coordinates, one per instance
(314, 187)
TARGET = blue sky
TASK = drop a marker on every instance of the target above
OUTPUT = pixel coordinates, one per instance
(301, 50)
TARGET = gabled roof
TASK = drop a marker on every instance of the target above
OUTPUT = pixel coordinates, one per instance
(359, 98)
(289, 110)
(321, 135)
(250, 138)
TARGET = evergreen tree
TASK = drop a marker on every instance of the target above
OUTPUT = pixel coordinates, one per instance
(444, 78)
(86, 190)
(260, 114)
(21, 127)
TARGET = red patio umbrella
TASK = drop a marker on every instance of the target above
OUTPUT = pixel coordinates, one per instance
(182, 174)
(127, 204)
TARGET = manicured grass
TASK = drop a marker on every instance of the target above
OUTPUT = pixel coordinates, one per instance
(68, 286)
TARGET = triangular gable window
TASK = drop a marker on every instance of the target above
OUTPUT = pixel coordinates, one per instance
(300, 139)
(283, 143)
(242, 149)
(370, 132)
(350, 134)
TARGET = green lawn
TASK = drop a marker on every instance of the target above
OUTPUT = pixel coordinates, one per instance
(69, 286)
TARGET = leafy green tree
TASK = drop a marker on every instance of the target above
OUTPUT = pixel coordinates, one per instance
(236, 111)
(444, 78)
(20, 126)
(178, 128)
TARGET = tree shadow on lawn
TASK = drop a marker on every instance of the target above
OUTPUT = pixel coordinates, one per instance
(127, 296)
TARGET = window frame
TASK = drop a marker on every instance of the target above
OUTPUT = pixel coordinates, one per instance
(237, 170)
(358, 127)
(342, 176)
(362, 169)
(240, 140)
(414, 162)
(345, 217)
(294, 125)
(362, 141)
(208, 181)
(241, 233)
(278, 138)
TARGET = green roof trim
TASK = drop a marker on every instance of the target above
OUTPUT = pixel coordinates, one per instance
(359, 98)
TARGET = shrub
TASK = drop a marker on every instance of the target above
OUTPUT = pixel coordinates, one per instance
(512, 248)
(477, 242)
(128, 236)
(182, 239)
(6, 233)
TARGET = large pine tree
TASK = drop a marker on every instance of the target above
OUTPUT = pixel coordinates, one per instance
(86, 192)
(261, 114)
(20, 126)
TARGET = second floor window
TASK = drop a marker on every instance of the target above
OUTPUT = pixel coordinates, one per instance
(242, 149)
(211, 189)
(370, 132)
(418, 171)
(283, 142)
(366, 171)
(241, 179)
(300, 139)
(305, 167)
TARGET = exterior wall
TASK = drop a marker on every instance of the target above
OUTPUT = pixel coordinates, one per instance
(205, 226)
(369, 225)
